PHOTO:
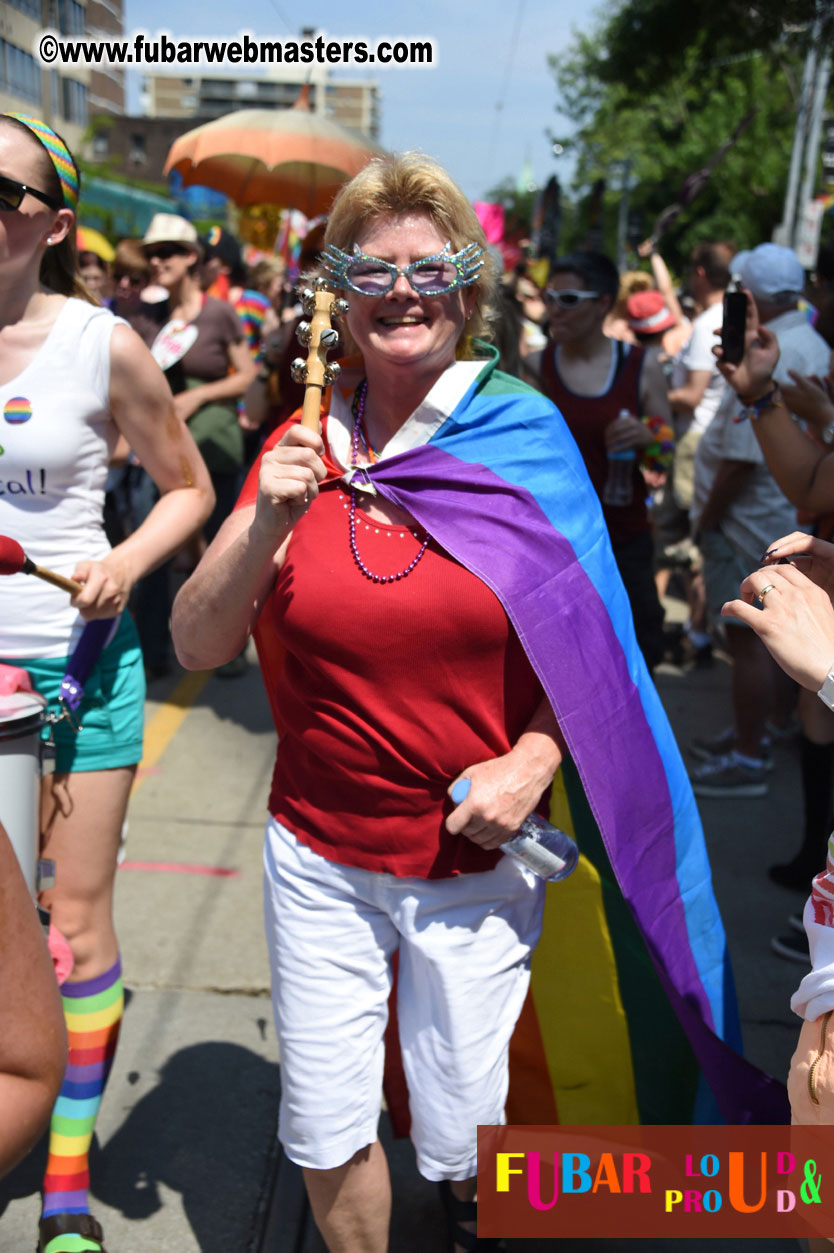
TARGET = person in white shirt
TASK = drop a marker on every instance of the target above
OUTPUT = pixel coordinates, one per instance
(72, 379)
(738, 504)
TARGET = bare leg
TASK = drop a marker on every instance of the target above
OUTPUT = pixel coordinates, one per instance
(352, 1203)
(82, 816)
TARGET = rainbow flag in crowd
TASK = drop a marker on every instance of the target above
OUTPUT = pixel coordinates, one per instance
(632, 1013)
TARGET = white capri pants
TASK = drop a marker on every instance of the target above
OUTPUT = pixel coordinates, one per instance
(464, 967)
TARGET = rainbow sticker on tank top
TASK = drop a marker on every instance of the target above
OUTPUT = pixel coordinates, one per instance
(17, 410)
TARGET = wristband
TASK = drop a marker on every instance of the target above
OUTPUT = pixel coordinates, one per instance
(753, 406)
(826, 692)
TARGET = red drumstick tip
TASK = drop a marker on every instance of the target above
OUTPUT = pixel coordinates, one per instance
(12, 556)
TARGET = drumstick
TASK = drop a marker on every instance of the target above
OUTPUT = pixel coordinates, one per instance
(13, 560)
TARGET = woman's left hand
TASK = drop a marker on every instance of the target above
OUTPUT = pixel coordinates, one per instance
(107, 585)
(503, 792)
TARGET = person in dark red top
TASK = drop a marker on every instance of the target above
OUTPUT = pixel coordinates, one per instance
(592, 379)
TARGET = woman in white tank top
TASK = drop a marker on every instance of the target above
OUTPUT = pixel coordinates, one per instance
(72, 378)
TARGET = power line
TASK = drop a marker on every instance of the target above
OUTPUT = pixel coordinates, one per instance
(499, 104)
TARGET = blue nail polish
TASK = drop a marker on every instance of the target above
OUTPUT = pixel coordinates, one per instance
(461, 790)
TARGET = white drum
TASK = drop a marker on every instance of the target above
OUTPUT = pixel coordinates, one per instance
(22, 715)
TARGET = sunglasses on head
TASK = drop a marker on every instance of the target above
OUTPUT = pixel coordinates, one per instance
(164, 252)
(568, 299)
(12, 193)
(435, 275)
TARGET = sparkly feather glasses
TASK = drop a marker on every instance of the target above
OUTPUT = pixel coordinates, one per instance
(429, 276)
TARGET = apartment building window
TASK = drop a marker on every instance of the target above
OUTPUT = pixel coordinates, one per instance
(138, 148)
(32, 8)
(71, 17)
(74, 101)
(20, 73)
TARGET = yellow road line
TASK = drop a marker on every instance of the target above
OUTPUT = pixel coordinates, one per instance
(168, 719)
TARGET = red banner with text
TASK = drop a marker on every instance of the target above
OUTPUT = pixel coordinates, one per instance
(655, 1181)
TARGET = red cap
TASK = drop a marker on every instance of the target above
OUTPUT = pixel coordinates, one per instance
(648, 313)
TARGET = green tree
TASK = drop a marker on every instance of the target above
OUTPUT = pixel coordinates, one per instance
(662, 86)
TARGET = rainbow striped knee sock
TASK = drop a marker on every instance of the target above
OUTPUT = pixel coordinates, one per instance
(93, 1013)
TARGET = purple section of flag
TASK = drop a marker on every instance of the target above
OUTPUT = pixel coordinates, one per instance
(499, 532)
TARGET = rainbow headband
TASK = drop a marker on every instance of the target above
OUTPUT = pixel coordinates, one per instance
(59, 154)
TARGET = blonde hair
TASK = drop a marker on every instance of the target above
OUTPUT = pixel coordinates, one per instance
(410, 182)
(59, 263)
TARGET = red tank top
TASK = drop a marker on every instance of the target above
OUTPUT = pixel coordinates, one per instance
(588, 416)
(386, 693)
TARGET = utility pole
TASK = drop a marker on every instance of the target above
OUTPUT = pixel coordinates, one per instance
(807, 135)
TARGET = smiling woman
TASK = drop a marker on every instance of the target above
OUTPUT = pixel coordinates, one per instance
(434, 599)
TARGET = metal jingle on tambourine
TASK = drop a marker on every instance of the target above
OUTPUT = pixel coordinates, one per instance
(321, 283)
(298, 370)
(332, 371)
(304, 332)
(329, 338)
(339, 308)
(308, 301)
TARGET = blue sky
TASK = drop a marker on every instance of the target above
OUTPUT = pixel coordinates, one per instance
(482, 110)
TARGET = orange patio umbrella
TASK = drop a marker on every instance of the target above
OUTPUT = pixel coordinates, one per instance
(289, 157)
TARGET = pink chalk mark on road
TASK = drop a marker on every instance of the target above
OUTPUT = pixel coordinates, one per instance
(181, 867)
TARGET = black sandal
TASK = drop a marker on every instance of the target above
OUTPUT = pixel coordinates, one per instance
(69, 1225)
(458, 1212)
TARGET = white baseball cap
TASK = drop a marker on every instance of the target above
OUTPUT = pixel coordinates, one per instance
(769, 270)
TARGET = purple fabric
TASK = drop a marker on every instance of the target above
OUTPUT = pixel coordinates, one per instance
(94, 638)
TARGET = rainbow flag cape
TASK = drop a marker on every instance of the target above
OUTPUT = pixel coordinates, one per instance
(632, 1013)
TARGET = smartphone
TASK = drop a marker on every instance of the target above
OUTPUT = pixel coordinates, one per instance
(734, 326)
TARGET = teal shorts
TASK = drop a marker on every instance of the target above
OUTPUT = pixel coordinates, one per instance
(112, 713)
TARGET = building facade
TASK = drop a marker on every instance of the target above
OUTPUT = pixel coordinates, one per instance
(66, 97)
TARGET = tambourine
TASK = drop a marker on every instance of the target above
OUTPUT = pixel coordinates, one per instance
(319, 335)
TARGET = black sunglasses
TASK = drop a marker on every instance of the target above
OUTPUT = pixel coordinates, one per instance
(12, 193)
(164, 252)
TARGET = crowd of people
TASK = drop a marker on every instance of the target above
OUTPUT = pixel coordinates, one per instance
(458, 576)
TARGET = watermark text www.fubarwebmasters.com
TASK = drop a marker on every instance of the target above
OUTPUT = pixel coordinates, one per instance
(141, 49)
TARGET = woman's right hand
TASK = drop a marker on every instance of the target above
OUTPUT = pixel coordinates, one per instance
(288, 481)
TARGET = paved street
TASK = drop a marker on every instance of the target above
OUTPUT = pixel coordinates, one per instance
(186, 1159)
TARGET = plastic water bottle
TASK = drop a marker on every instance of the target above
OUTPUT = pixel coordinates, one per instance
(619, 486)
(546, 850)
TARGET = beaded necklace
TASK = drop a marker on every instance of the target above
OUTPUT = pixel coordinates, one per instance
(358, 411)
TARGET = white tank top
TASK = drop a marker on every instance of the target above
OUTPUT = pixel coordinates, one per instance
(56, 439)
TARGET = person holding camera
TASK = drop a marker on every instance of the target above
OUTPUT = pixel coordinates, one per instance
(737, 507)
